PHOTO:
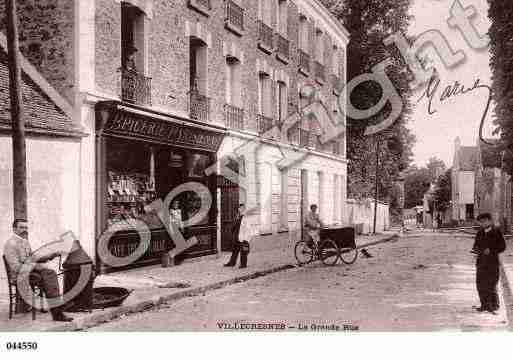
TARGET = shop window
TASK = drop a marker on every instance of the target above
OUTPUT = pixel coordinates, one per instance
(139, 173)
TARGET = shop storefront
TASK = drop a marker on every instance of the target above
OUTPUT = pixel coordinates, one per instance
(141, 157)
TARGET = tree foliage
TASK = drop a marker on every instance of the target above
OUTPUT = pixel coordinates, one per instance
(443, 191)
(501, 63)
(369, 22)
(416, 184)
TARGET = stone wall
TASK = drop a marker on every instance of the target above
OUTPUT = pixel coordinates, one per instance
(46, 34)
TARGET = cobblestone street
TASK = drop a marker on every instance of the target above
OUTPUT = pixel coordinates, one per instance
(421, 282)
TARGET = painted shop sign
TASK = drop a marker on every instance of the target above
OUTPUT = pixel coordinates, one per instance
(128, 124)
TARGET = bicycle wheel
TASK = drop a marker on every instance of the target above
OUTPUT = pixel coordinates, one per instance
(348, 255)
(303, 252)
(329, 252)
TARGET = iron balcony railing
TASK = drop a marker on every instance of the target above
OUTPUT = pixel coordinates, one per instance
(234, 15)
(203, 3)
(199, 107)
(304, 61)
(319, 71)
(135, 87)
(233, 117)
(265, 35)
(282, 46)
(264, 124)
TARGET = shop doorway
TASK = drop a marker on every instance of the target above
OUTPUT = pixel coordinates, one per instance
(229, 203)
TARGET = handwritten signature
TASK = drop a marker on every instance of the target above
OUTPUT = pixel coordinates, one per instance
(453, 90)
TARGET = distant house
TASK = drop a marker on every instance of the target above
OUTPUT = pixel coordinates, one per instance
(463, 181)
(493, 185)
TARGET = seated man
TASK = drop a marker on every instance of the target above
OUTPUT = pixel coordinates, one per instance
(17, 251)
(313, 224)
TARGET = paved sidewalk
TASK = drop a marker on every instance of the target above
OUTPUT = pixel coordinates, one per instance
(155, 285)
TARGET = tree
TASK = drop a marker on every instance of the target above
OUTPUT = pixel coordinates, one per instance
(501, 64)
(417, 183)
(369, 23)
(443, 191)
(436, 168)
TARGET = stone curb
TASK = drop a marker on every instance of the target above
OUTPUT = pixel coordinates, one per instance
(110, 314)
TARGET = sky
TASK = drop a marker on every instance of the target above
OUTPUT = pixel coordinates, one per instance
(458, 116)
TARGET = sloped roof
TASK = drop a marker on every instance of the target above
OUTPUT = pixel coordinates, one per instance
(491, 156)
(44, 112)
(467, 158)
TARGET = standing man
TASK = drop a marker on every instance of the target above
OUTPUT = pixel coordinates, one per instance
(17, 252)
(488, 244)
(313, 224)
(240, 244)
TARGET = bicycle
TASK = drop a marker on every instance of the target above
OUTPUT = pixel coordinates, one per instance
(306, 250)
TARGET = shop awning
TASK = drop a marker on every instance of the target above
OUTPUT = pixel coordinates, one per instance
(124, 120)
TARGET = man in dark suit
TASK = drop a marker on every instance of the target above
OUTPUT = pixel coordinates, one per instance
(488, 244)
(240, 245)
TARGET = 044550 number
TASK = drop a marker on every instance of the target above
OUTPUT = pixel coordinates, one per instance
(21, 346)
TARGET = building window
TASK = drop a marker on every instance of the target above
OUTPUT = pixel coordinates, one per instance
(469, 211)
(265, 31)
(234, 19)
(282, 17)
(335, 58)
(265, 117)
(304, 34)
(199, 108)
(234, 114)
(304, 46)
(319, 46)
(319, 66)
(282, 101)
(202, 6)
(135, 86)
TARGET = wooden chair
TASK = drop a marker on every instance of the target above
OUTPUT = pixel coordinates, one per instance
(15, 299)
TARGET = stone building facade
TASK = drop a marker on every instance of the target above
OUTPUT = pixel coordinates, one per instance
(248, 69)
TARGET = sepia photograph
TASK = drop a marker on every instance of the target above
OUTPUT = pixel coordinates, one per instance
(256, 167)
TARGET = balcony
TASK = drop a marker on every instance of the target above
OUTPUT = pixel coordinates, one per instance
(234, 20)
(201, 6)
(264, 124)
(319, 72)
(199, 107)
(135, 87)
(282, 48)
(233, 117)
(304, 62)
(265, 37)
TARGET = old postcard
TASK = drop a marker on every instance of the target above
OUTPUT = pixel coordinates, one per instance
(257, 166)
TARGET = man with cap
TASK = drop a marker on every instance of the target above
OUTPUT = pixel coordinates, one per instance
(489, 243)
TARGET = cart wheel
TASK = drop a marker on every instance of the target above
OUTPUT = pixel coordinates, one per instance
(304, 253)
(329, 252)
(348, 255)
